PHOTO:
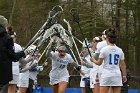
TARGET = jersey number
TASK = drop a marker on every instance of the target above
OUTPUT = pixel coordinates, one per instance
(116, 59)
(62, 66)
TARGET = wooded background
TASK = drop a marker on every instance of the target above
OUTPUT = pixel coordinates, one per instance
(27, 16)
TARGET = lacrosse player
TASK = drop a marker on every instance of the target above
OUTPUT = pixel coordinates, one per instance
(59, 75)
(112, 58)
(85, 70)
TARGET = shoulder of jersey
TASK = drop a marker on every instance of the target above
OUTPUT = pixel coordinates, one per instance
(119, 48)
(99, 43)
(102, 43)
(17, 45)
(105, 47)
(68, 55)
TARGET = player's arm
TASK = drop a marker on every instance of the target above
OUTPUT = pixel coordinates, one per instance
(123, 69)
(75, 64)
(87, 63)
(50, 54)
(77, 67)
(33, 64)
(97, 62)
(84, 62)
(97, 58)
(39, 68)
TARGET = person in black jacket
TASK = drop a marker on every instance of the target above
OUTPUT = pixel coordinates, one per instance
(7, 54)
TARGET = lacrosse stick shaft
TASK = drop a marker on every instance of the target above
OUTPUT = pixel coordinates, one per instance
(69, 29)
(75, 14)
(74, 37)
(37, 34)
(43, 28)
(84, 38)
(73, 55)
(47, 47)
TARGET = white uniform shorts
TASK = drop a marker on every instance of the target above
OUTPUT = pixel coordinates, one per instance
(54, 81)
(23, 80)
(93, 74)
(111, 81)
(92, 82)
(23, 83)
(82, 82)
(15, 79)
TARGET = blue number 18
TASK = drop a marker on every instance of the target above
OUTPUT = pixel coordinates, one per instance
(116, 58)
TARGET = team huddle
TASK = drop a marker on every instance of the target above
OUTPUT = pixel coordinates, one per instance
(108, 70)
(102, 63)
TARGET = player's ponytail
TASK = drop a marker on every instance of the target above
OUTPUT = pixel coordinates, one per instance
(111, 35)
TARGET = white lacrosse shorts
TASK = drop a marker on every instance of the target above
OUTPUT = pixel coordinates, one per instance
(82, 82)
(23, 79)
(15, 79)
(111, 81)
(54, 81)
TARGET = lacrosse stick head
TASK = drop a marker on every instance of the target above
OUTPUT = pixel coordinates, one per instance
(75, 13)
(54, 15)
(56, 10)
(31, 49)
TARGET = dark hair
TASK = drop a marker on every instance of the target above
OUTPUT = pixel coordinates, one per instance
(111, 35)
(10, 28)
(11, 32)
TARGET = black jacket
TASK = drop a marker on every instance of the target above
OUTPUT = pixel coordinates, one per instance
(7, 55)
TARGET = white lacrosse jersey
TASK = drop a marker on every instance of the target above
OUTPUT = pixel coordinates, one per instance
(15, 65)
(100, 45)
(111, 57)
(33, 74)
(86, 71)
(59, 65)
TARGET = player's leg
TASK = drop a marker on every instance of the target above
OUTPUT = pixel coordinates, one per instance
(55, 88)
(22, 89)
(110, 90)
(23, 85)
(94, 81)
(83, 89)
(30, 87)
(104, 89)
(105, 84)
(117, 84)
(92, 85)
(62, 87)
(12, 84)
(96, 88)
(116, 89)
(87, 86)
(82, 85)
(12, 88)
